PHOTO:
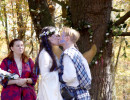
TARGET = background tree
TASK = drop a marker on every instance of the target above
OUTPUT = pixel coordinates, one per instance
(4, 20)
(21, 22)
(41, 17)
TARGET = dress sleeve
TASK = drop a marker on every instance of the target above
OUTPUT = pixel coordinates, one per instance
(4, 66)
(69, 72)
(33, 76)
(44, 64)
(49, 86)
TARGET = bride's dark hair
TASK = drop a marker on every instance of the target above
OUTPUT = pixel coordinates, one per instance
(45, 43)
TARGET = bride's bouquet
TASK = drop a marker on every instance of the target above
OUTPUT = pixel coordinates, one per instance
(4, 75)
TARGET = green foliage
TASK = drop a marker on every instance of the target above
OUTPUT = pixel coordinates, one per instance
(118, 16)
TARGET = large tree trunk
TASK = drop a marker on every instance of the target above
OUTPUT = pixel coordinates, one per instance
(97, 13)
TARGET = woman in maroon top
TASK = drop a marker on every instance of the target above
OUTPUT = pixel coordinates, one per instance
(17, 62)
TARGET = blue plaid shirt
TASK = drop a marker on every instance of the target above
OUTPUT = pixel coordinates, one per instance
(81, 92)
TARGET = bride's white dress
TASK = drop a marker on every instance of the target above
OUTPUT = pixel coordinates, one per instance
(49, 86)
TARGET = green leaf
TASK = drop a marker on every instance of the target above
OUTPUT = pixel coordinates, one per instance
(126, 42)
(113, 27)
(124, 48)
(118, 16)
(32, 10)
(124, 26)
(124, 55)
(1, 18)
(128, 46)
(120, 32)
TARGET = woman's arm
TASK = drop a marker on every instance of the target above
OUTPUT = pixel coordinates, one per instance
(33, 77)
(44, 63)
(4, 66)
(20, 82)
(17, 82)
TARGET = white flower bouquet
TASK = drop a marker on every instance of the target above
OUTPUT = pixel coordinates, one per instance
(6, 75)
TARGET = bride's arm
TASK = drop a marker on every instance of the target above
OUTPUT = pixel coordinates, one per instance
(44, 63)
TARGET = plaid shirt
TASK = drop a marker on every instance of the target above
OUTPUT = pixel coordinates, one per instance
(81, 91)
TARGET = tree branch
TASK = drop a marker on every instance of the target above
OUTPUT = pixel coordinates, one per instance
(123, 34)
(123, 19)
(117, 58)
(118, 10)
(62, 3)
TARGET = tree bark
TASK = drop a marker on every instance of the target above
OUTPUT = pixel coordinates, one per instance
(20, 21)
(97, 13)
(5, 24)
(40, 14)
(14, 31)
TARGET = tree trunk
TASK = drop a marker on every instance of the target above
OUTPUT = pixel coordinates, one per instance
(14, 31)
(5, 24)
(40, 14)
(97, 13)
(20, 21)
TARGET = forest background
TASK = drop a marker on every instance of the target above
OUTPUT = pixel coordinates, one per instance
(19, 20)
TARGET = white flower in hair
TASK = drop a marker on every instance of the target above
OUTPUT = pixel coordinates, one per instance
(57, 31)
(47, 33)
(50, 31)
(42, 34)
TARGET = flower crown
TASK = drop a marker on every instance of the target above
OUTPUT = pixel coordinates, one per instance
(46, 33)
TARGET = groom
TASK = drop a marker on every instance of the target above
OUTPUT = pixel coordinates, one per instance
(74, 72)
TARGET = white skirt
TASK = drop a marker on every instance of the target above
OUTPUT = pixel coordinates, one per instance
(49, 87)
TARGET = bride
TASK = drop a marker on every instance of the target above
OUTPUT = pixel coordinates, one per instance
(46, 65)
